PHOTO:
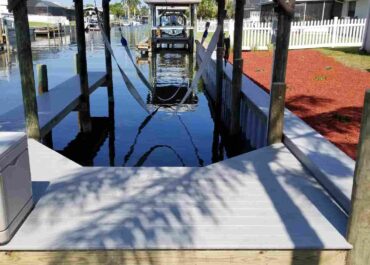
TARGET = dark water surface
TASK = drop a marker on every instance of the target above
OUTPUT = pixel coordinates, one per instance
(128, 136)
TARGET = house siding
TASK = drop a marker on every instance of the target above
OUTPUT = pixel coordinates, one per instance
(307, 10)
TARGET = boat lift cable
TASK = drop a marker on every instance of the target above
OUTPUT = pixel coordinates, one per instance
(146, 155)
(140, 74)
(139, 131)
(196, 150)
(146, 121)
(131, 88)
(211, 47)
(206, 59)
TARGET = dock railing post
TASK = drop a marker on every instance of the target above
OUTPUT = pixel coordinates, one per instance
(358, 232)
(153, 29)
(43, 87)
(7, 39)
(192, 30)
(220, 56)
(77, 64)
(108, 56)
(285, 13)
(237, 68)
(26, 67)
(84, 110)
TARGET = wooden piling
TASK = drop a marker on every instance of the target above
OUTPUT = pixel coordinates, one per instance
(77, 64)
(108, 56)
(43, 84)
(237, 69)
(276, 114)
(220, 55)
(192, 30)
(154, 30)
(43, 87)
(26, 68)
(48, 34)
(84, 110)
(278, 87)
(7, 39)
(359, 220)
(1, 31)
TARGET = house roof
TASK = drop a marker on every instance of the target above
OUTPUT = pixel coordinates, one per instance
(270, 2)
(171, 2)
(42, 3)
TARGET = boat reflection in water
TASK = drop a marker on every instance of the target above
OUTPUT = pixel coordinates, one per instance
(170, 76)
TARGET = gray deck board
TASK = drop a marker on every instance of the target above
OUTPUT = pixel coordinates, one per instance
(330, 165)
(52, 106)
(261, 200)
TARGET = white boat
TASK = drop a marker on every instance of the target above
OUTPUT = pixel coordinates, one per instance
(91, 24)
(135, 23)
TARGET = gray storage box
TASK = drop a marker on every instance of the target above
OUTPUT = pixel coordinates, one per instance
(15, 183)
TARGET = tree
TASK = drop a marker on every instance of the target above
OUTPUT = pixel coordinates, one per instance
(144, 10)
(207, 9)
(230, 9)
(132, 6)
(116, 9)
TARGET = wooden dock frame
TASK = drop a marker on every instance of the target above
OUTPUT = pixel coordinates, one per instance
(359, 221)
(176, 257)
(359, 218)
(237, 69)
(278, 85)
(31, 113)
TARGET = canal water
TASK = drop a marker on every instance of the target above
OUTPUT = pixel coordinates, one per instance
(126, 135)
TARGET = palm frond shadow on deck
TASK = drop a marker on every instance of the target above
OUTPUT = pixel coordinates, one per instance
(149, 207)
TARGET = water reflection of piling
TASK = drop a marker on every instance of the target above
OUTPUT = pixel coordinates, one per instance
(84, 147)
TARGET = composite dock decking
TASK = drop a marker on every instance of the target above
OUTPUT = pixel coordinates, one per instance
(263, 207)
(54, 105)
(328, 164)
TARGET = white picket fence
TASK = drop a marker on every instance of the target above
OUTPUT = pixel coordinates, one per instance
(304, 34)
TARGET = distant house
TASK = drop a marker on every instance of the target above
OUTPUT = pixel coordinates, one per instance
(366, 42)
(252, 10)
(359, 8)
(49, 8)
(3, 6)
(320, 9)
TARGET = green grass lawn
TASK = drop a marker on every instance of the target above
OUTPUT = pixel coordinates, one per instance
(350, 57)
(40, 24)
(200, 35)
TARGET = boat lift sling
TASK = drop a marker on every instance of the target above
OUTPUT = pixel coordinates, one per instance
(132, 89)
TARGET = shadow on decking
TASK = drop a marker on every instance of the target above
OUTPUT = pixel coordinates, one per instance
(340, 125)
(154, 206)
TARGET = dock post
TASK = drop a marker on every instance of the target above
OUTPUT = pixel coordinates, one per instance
(7, 39)
(43, 87)
(48, 35)
(237, 69)
(358, 232)
(154, 30)
(84, 111)
(220, 56)
(19, 9)
(192, 31)
(77, 64)
(1, 31)
(108, 56)
(278, 86)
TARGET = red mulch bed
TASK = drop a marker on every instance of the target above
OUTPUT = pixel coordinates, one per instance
(323, 92)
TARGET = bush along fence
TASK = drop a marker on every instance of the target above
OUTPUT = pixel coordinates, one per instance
(304, 34)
